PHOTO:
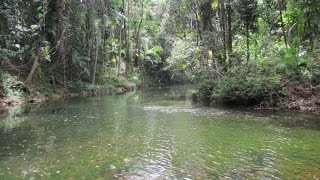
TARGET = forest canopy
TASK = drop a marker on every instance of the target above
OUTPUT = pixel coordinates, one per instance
(265, 52)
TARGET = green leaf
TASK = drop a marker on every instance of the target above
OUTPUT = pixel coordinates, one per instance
(157, 49)
(214, 5)
(40, 15)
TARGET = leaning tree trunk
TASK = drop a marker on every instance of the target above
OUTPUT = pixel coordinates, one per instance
(34, 66)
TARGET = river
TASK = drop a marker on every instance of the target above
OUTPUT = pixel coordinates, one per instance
(156, 133)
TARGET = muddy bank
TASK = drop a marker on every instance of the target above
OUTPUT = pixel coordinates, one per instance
(8, 102)
(296, 96)
(302, 97)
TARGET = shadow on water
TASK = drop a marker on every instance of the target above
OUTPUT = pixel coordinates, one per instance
(167, 96)
(285, 118)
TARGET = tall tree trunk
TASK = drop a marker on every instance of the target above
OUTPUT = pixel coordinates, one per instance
(126, 33)
(229, 38)
(119, 50)
(138, 46)
(206, 13)
(63, 56)
(91, 30)
(195, 11)
(223, 26)
(248, 43)
(281, 6)
(59, 39)
(128, 55)
(124, 39)
(103, 27)
(95, 60)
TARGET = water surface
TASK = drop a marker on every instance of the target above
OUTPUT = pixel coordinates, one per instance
(156, 134)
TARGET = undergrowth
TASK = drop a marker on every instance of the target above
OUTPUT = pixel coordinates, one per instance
(107, 82)
(265, 82)
(7, 86)
(242, 88)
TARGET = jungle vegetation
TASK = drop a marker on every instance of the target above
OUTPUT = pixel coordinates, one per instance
(262, 53)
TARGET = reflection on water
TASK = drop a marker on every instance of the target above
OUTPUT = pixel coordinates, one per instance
(156, 134)
(12, 118)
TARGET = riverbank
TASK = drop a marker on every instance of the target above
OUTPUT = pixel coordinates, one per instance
(304, 97)
(261, 93)
(7, 102)
(15, 91)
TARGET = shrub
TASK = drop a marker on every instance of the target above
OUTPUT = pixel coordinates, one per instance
(205, 90)
(8, 82)
(242, 87)
(78, 86)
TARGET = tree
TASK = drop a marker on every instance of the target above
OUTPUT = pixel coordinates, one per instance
(248, 15)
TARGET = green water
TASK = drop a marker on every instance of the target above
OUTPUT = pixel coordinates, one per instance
(156, 134)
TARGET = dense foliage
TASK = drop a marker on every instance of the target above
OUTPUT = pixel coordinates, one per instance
(247, 51)
(60, 42)
(241, 49)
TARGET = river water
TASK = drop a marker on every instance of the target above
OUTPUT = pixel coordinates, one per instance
(156, 134)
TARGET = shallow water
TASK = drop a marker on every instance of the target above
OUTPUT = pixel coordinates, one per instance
(156, 134)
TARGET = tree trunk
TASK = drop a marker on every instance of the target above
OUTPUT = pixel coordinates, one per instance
(223, 26)
(206, 16)
(138, 47)
(128, 56)
(229, 38)
(198, 24)
(248, 43)
(103, 28)
(281, 7)
(138, 61)
(120, 47)
(59, 39)
(95, 61)
(63, 56)
(34, 66)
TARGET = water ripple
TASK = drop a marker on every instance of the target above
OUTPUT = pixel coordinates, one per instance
(177, 109)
